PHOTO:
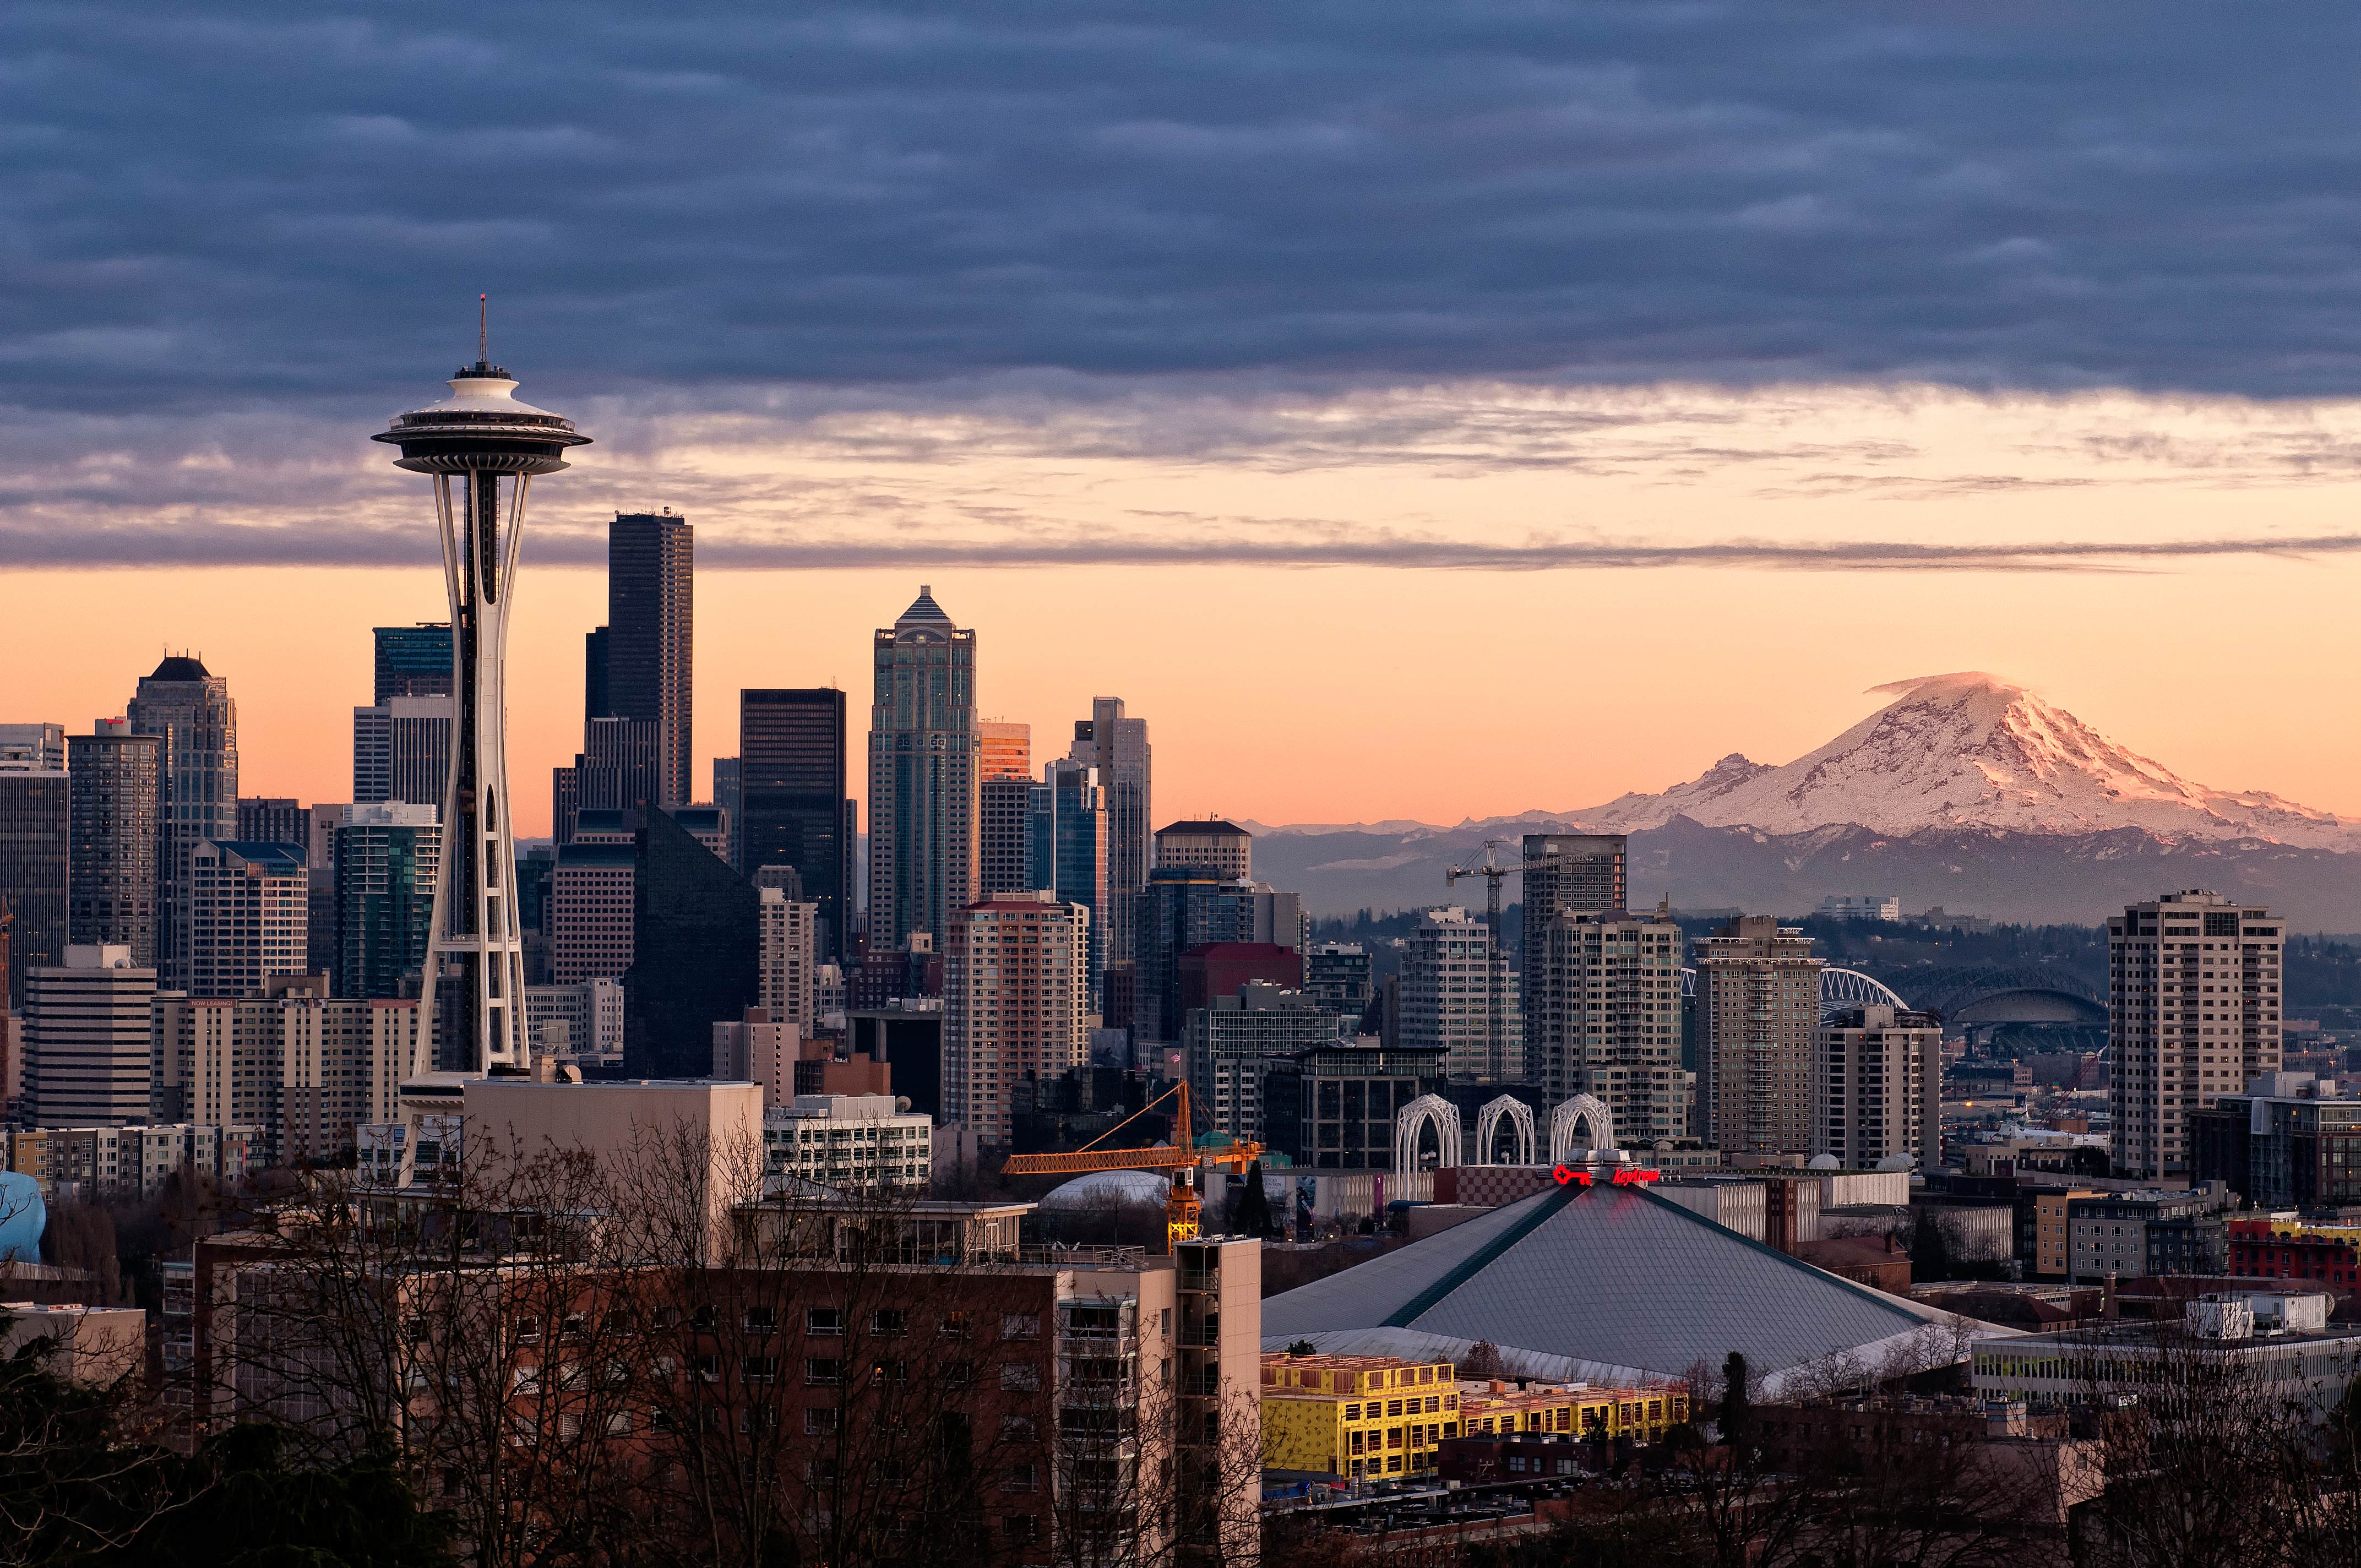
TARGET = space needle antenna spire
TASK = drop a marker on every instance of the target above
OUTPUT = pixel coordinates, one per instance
(481, 446)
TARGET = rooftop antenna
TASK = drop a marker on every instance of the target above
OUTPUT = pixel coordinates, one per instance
(483, 329)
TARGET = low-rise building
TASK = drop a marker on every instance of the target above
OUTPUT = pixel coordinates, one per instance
(2094, 1365)
(859, 1143)
(2152, 1232)
(91, 1163)
(93, 1345)
(2291, 1250)
(1355, 1415)
(1582, 1409)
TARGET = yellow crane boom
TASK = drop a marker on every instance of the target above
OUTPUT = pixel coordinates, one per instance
(1182, 1207)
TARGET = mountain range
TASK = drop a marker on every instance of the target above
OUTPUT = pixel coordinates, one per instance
(1965, 791)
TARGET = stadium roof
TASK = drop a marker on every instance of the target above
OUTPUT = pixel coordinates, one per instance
(1609, 1283)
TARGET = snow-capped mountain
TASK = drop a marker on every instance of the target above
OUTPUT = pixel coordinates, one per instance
(1973, 750)
(1965, 790)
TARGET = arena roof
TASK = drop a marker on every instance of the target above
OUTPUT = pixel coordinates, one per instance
(1610, 1281)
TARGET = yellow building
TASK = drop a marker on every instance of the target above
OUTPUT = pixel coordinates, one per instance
(1579, 1408)
(1355, 1415)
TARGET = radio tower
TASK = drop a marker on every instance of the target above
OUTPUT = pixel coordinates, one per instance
(473, 991)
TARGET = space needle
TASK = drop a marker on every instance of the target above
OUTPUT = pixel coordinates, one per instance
(483, 447)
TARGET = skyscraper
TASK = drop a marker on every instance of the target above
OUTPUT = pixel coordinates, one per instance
(1012, 1003)
(36, 860)
(791, 770)
(695, 952)
(386, 856)
(1008, 751)
(923, 757)
(1758, 1002)
(598, 702)
(651, 629)
(190, 707)
(411, 661)
(1184, 908)
(1117, 747)
(116, 790)
(1004, 837)
(729, 794)
(402, 749)
(1067, 840)
(473, 1000)
(2193, 1013)
(1222, 849)
(272, 819)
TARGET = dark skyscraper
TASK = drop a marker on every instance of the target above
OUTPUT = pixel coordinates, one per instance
(695, 952)
(34, 859)
(115, 882)
(651, 625)
(924, 754)
(272, 819)
(596, 701)
(791, 763)
(412, 661)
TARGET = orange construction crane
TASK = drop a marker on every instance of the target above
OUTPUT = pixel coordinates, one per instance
(1182, 1206)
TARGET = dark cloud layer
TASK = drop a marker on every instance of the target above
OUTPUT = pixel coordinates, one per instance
(274, 205)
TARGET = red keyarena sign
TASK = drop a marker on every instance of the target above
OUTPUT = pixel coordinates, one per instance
(1625, 1176)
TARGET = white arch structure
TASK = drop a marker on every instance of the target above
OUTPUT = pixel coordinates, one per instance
(1487, 1123)
(1850, 988)
(1571, 1116)
(1426, 1108)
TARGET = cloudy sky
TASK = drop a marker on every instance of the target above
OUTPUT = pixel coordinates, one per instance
(1412, 409)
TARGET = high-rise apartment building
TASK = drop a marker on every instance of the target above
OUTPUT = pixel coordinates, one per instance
(1617, 1033)
(789, 935)
(1066, 838)
(305, 1069)
(651, 634)
(190, 707)
(1561, 873)
(115, 811)
(35, 870)
(386, 855)
(1877, 1087)
(1224, 848)
(923, 757)
(1450, 975)
(402, 749)
(271, 819)
(1004, 837)
(2193, 1012)
(1004, 751)
(86, 1039)
(1758, 1003)
(1014, 996)
(1117, 747)
(249, 916)
(412, 661)
(32, 748)
(1230, 1042)
(793, 767)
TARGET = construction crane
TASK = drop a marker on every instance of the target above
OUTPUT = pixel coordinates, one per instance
(1181, 1205)
(1491, 871)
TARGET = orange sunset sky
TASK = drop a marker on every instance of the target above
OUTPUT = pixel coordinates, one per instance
(1284, 689)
